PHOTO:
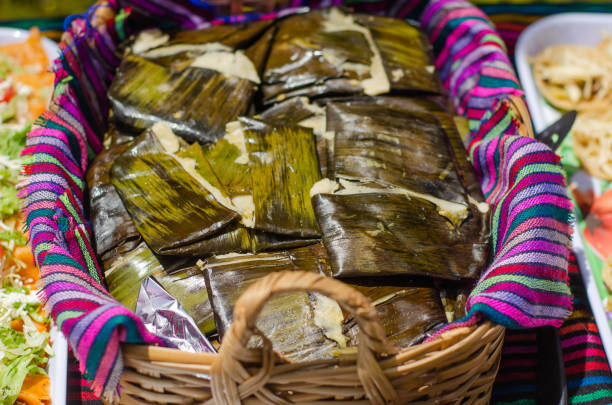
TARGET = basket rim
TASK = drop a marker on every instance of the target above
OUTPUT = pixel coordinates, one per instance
(446, 341)
(458, 362)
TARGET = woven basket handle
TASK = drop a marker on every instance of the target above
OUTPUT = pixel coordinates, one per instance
(231, 381)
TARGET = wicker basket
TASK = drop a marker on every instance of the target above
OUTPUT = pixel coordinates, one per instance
(459, 366)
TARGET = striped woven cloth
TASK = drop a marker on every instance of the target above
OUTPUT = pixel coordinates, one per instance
(588, 376)
(526, 284)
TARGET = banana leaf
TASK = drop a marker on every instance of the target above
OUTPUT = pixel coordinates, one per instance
(296, 65)
(409, 311)
(328, 52)
(236, 36)
(299, 110)
(395, 145)
(186, 282)
(288, 320)
(287, 112)
(441, 108)
(237, 238)
(171, 209)
(221, 165)
(371, 231)
(262, 241)
(284, 167)
(413, 145)
(406, 54)
(178, 50)
(114, 231)
(195, 102)
(438, 107)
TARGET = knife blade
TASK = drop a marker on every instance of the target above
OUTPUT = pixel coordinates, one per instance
(556, 132)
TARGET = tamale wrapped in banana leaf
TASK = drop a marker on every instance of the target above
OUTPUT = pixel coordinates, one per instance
(406, 53)
(226, 166)
(186, 283)
(284, 167)
(114, 231)
(310, 115)
(172, 209)
(237, 238)
(409, 311)
(394, 145)
(374, 230)
(434, 106)
(174, 48)
(301, 326)
(197, 98)
(329, 52)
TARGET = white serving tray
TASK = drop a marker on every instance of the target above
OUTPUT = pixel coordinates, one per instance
(57, 364)
(562, 29)
(58, 368)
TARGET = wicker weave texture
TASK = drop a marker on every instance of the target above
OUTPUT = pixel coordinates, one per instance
(459, 366)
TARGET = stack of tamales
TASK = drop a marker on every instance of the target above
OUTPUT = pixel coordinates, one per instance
(321, 142)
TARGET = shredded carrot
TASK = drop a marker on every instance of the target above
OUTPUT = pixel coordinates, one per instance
(31, 56)
(42, 327)
(29, 52)
(17, 324)
(29, 274)
(35, 390)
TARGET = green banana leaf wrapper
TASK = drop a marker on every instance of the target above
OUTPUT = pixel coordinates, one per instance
(221, 166)
(327, 52)
(310, 115)
(393, 145)
(195, 101)
(113, 229)
(410, 311)
(284, 167)
(169, 207)
(287, 319)
(385, 231)
(406, 53)
(429, 106)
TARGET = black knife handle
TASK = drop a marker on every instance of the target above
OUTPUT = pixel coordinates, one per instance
(551, 382)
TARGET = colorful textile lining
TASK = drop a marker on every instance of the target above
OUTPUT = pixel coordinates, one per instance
(587, 373)
(526, 283)
(525, 286)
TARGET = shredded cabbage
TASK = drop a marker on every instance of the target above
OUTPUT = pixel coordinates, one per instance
(21, 352)
(24, 337)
